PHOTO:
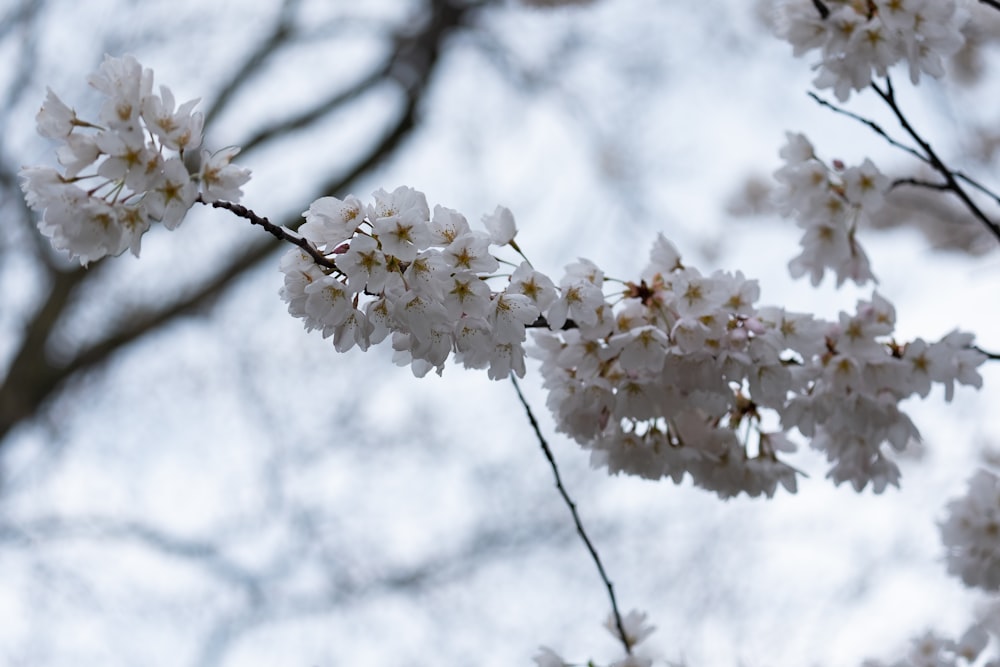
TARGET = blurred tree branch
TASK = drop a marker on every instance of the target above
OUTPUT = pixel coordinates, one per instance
(33, 376)
(951, 177)
(265, 599)
(491, 543)
(32, 533)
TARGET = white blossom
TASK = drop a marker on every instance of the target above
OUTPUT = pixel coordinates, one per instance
(971, 533)
(500, 224)
(828, 206)
(859, 40)
(133, 158)
(220, 178)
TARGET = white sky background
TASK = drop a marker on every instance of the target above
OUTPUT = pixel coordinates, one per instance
(319, 469)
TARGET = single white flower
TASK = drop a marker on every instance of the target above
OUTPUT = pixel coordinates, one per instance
(500, 224)
(220, 178)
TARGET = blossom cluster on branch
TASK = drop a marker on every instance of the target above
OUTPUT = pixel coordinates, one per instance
(672, 373)
(424, 279)
(829, 202)
(859, 39)
(660, 377)
(137, 164)
(666, 375)
(675, 376)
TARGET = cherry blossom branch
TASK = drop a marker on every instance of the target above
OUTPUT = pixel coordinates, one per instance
(889, 97)
(916, 182)
(875, 127)
(284, 234)
(824, 11)
(992, 356)
(930, 158)
(279, 232)
(576, 517)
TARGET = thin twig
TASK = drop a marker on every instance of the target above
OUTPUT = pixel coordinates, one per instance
(576, 517)
(993, 356)
(916, 182)
(978, 186)
(889, 97)
(875, 127)
(277, 231)
(870, 123)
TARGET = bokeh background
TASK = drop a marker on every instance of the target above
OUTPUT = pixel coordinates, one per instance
(188, 478)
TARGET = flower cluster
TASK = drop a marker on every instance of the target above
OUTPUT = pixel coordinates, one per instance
(932, 650)
(828, 202)
(128, 169)
(675, 377)
(392, 268)
(665, 377)
(859, 39)
(971, 533)
(676, 374)
(636, 630)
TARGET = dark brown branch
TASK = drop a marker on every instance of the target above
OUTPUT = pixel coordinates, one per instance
(931, 157)
(542, 323)
(277, 231)
(945, 186)
(916, 182)
(978, 186)
(991, 3)
(30, 377)
(576, 517)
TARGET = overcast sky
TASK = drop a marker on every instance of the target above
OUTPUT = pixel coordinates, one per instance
(232, 491)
